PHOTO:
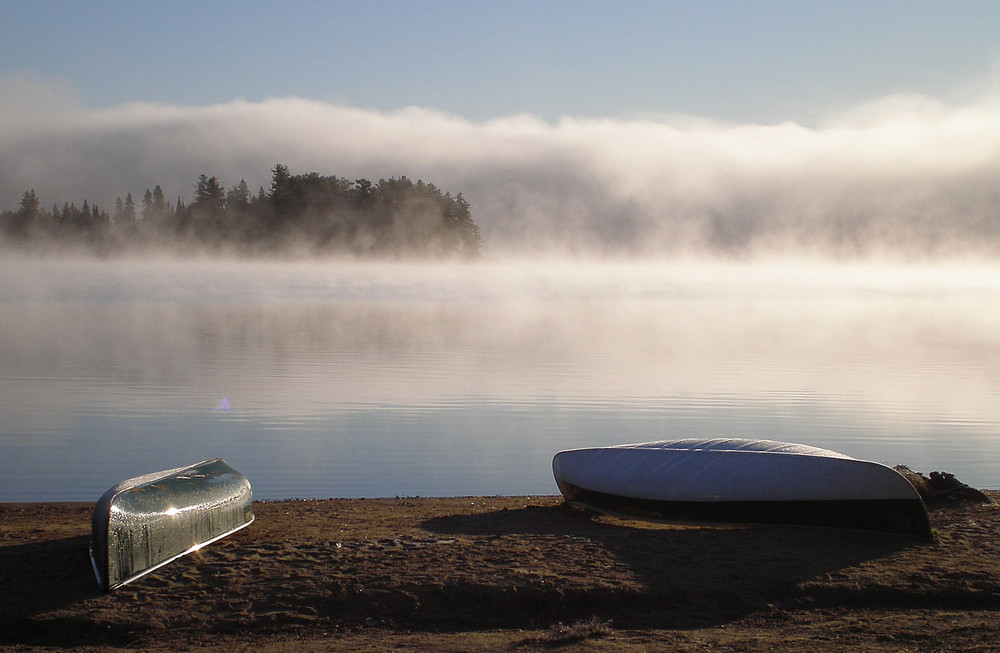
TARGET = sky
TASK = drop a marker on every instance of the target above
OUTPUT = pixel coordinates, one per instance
(701, 121)
(740, 61)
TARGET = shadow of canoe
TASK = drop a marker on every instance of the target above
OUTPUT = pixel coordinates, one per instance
(37, 581)
(686, 576)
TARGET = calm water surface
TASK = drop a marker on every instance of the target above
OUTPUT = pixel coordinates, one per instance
(384, 379)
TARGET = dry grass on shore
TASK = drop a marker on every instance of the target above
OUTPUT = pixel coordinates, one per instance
(507, 573)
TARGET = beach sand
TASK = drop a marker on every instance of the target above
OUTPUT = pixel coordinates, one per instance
(507, 573)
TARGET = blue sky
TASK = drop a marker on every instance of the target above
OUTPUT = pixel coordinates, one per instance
(738, 61)
(851, 125)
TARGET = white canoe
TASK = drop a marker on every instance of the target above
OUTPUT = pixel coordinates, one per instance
(737, 480)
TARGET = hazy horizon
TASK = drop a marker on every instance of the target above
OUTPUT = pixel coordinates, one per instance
(834, 127)
(901, 175)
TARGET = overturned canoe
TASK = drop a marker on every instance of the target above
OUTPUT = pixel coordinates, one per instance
(736, 480)
(145, 522)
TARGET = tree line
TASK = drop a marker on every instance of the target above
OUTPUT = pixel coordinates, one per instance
(310, 213)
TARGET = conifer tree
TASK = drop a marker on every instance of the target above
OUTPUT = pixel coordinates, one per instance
(129, 210)
(28, 213)
(147, 205)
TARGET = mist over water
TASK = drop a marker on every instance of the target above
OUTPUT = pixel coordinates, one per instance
(644, 278)
(440, 379)
(902, 176)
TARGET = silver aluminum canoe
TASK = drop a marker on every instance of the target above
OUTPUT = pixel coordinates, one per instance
(738, 480)
(146, 522)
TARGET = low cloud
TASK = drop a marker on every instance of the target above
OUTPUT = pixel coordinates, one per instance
(904, 174)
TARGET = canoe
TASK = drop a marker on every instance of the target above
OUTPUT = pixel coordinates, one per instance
(742, 481)
(146, 522)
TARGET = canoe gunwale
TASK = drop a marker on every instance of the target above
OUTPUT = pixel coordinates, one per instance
(101, 582)
(904, 516)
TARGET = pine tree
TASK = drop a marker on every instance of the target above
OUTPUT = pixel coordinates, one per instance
(238, 197)
(129, 210)
(147, 205)
(29, 204)
(24, 219)
(160, 205)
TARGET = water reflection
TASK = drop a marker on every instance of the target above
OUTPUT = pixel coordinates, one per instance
(382, 380)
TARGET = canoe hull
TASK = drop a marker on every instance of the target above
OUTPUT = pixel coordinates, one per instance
(741, 481)
(146, 522)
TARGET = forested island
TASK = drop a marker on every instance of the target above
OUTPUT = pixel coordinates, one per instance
(307, 213)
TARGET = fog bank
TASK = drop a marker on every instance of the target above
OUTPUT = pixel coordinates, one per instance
(905, 175)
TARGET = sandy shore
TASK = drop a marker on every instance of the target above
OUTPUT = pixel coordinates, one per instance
(502, 573)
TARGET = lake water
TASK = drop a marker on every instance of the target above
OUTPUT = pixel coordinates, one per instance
(392, 379)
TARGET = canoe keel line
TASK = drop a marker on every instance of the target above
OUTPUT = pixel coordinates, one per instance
(741, 481)
(146, 522)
